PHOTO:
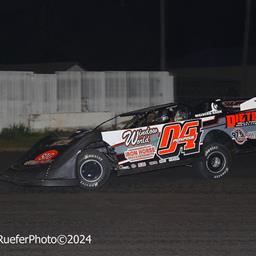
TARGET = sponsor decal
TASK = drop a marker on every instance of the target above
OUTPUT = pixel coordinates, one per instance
(174, 158)
(124, 167)
(140, 153)
(180, 138)
(251, 135)
(139, 136)
(241, 119)
(240, 136)
(153, 163)
(142, 164)
(47, 155)
(170, 159)
(44, 158)
(214, 111)
(232, 103)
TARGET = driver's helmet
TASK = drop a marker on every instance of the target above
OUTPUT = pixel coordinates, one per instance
(165, 116)
(180, 115)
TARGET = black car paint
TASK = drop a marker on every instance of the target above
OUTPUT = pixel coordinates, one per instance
(62, 171)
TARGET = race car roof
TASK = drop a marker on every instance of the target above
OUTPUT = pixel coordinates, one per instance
(148, 109)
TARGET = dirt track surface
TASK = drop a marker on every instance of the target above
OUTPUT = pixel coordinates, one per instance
(171, 212)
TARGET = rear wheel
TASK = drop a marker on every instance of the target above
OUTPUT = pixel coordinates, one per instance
(93, 169)
(215, 163)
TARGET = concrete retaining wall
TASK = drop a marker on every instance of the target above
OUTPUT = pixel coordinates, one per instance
(68, 120)
(26, 93)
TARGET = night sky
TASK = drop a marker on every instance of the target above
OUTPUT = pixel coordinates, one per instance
(117, 34)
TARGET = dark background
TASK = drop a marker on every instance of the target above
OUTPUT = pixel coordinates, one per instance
(121, 34)
(160, 213)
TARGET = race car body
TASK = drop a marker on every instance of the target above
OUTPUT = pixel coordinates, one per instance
(206, 136)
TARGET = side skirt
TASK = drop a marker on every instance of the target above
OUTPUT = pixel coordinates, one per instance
(122, 172)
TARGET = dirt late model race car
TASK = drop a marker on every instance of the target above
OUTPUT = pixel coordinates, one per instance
(206, 137)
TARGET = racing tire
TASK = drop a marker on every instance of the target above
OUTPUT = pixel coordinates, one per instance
(215, 163)
(93, 169)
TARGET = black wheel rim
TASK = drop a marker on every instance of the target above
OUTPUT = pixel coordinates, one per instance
(216, 162)
(91, 170)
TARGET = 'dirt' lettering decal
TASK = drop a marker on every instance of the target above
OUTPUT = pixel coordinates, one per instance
(241, 119)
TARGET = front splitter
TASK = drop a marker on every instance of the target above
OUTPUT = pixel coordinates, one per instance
(40, 182)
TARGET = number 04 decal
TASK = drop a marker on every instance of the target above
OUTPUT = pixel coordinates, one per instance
(180, 138)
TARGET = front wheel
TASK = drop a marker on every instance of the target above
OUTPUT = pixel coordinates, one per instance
(215, 163)
(93, 169)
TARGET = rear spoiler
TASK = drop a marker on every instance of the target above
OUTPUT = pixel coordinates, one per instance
(249, 104)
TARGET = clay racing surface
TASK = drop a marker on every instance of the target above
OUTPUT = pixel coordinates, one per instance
(171, 212)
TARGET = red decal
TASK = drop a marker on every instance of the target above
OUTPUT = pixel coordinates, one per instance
(140, 153)
(47, 155)
(241, 119)
(231, 121)
(166, 145)
(177, 138)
